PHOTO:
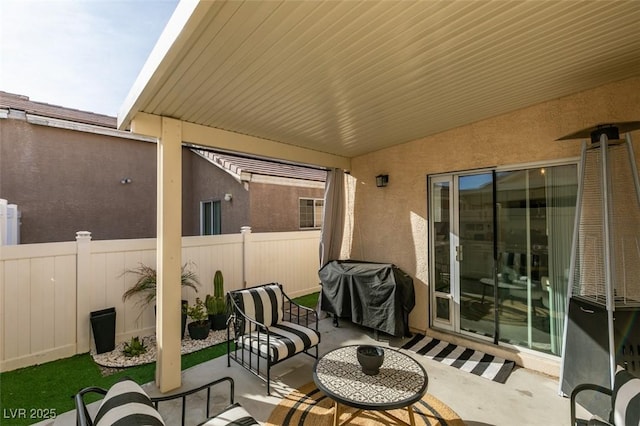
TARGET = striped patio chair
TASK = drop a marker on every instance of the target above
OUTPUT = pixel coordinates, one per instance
(126, 403)
(268, 328)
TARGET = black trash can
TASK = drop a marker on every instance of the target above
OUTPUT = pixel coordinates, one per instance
(103, 324)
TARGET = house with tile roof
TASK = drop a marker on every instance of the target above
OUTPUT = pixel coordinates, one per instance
(69, 170)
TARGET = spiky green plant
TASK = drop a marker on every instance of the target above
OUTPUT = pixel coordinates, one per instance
(147, 281)
(134, 348)
(210, 303)
(219, 305)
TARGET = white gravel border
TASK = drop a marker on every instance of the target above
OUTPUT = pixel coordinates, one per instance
(116, 358)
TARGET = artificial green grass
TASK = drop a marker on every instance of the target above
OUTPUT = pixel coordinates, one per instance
(310, 300)
(30, 395)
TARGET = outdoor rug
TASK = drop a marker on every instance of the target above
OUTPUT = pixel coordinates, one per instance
(311, 407)
(469, 360)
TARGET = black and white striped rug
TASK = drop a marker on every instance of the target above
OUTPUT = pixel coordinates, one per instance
(469, 360)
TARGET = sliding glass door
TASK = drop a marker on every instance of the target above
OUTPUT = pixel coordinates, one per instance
(523, 258)
(501, 256)
(475, 203)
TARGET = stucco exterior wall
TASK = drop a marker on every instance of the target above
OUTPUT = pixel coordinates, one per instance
(202, 181)
(391, 222)
(275, 208)
(65, 181)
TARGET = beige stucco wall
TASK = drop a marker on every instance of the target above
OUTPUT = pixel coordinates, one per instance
(391, 222)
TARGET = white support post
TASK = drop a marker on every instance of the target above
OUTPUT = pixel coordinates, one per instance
(83, 291)
(169, 255)
(246, 238)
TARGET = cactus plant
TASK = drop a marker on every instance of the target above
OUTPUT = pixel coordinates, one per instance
(210, 303)
(216, 305)
(218, 293)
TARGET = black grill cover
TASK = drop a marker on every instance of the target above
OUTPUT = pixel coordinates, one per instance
(375, 295)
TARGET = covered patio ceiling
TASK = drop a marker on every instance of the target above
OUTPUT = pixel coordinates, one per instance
(323, 82)
(349, 77)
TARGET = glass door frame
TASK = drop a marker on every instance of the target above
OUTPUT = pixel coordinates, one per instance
(451, 324)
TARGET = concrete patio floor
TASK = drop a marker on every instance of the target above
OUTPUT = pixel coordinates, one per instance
(527, 397)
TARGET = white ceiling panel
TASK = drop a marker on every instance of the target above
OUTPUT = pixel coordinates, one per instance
(352, 77)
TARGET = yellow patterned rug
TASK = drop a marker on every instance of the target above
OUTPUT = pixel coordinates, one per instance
(310, 407)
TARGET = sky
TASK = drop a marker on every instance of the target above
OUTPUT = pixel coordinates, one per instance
(82, 54)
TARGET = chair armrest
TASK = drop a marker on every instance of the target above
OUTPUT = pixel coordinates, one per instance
(306, 312)
(82, 414)
(584, 387)
(207, 386)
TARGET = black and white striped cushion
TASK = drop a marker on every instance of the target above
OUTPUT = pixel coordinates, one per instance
(126, 404)
(263, 304)
(285, 339)
(626, 398)
(232, 416)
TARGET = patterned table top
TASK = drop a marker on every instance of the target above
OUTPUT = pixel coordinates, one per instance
(401, 381)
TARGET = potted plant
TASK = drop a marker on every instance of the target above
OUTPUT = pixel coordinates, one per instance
(199, 327)
(216, 306)
(146, 285)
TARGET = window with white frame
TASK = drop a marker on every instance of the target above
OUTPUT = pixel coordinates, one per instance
(210, 218)
(311, 211)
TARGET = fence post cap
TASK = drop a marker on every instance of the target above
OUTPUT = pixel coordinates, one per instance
(83, 235)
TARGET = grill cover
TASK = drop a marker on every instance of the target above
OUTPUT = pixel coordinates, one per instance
(375, 295)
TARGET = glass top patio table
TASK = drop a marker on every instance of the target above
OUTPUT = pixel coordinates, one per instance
(401, 382)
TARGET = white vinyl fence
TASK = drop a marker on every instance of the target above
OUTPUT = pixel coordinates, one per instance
(9, 223)
(47, 291)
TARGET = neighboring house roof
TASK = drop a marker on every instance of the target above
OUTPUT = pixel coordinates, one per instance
(244, 168)
(22, 103)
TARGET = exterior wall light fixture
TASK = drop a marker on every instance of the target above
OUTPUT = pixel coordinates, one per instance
(125, 181)
(382, 180)
(228, 197)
